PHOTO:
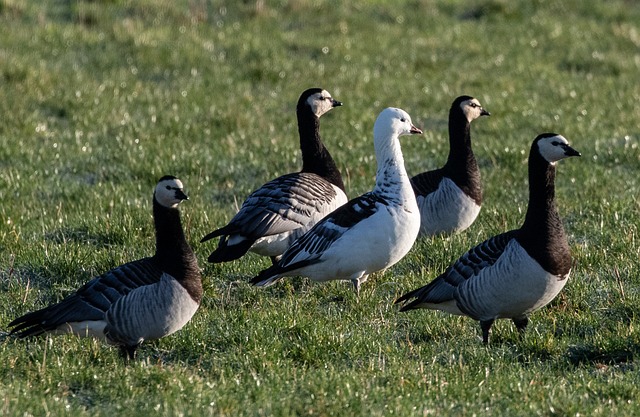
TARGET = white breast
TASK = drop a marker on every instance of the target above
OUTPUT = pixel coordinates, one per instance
(514, 286)
(446, 210)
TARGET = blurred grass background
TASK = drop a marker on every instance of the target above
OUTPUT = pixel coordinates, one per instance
(99, 98)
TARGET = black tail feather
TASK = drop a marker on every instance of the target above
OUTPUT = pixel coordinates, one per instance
(33, 323)
(215, 233)
(406, 297)
(275, 272)
(269, 275)
(230, 229)
(71, 309)
(226, 253)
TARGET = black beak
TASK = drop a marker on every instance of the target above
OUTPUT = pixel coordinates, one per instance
(483, 112)
(180, 195)
(569, 151)
(335, 103)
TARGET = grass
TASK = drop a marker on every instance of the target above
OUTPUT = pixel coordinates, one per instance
(101, 98)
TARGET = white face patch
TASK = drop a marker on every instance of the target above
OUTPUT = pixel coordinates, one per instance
(553, 148)
(472, 109)
(320, 103)
(169, 192)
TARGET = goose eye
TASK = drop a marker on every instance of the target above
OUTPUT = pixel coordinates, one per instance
(403, 120)
(168, 187)
(555, 143)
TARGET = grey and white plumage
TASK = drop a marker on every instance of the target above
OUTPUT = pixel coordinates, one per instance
(449, 198)
(515, 273)
(141, 300)
(367, 234)
(280, 211)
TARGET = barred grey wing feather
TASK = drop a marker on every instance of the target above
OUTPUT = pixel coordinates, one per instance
(331, 228)
(443, 288)
(478, 258)
(92, 300)
(281, 205)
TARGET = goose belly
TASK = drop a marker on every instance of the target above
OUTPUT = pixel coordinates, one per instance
(150, 312)
(374, 244)
(515, 286)
(446, 210)
(277, 244)
(86, 328)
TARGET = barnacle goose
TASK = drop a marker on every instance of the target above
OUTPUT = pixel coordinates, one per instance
(515, 273)
(145, 299)
(449, 198)
(370, 232)
(274, 215)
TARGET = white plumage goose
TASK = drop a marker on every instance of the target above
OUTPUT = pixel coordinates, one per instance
(515, 273)
(449, 198)
(370, 232)
(280, 211)
(141, 300)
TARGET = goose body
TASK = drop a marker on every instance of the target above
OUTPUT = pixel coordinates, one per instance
(446, 210)
(280, 211)
(370, 232)
(141, 300)
(449, 198)
(515, 273)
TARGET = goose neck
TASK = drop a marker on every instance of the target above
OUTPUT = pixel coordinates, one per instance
(316, 158)
(172, 250)
(391, 175)
(541, 212)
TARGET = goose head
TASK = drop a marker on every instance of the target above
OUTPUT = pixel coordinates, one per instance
(553, 147)
(169, 192)
(394, 122)
(470, 108)
(319, 101)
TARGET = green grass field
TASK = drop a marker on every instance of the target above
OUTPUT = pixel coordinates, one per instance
(100, 98)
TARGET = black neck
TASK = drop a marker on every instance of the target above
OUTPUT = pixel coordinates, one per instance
(461, 164)
(173, 252)
(542, 233)
(315, 157)
(541, 212)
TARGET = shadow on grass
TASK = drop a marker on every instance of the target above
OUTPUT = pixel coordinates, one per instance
(27, 276)
(589, 355)
(84, 236)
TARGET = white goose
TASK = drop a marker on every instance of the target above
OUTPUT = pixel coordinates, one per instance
(280, 211)
(370, 232)
(449, 198)
(145, 299)
(515, 273)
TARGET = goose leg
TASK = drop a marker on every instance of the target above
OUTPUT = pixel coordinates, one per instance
(357, 281)
(521, 325)
(485, 325)
(356, 286)
(128, 352)
(275, 259)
